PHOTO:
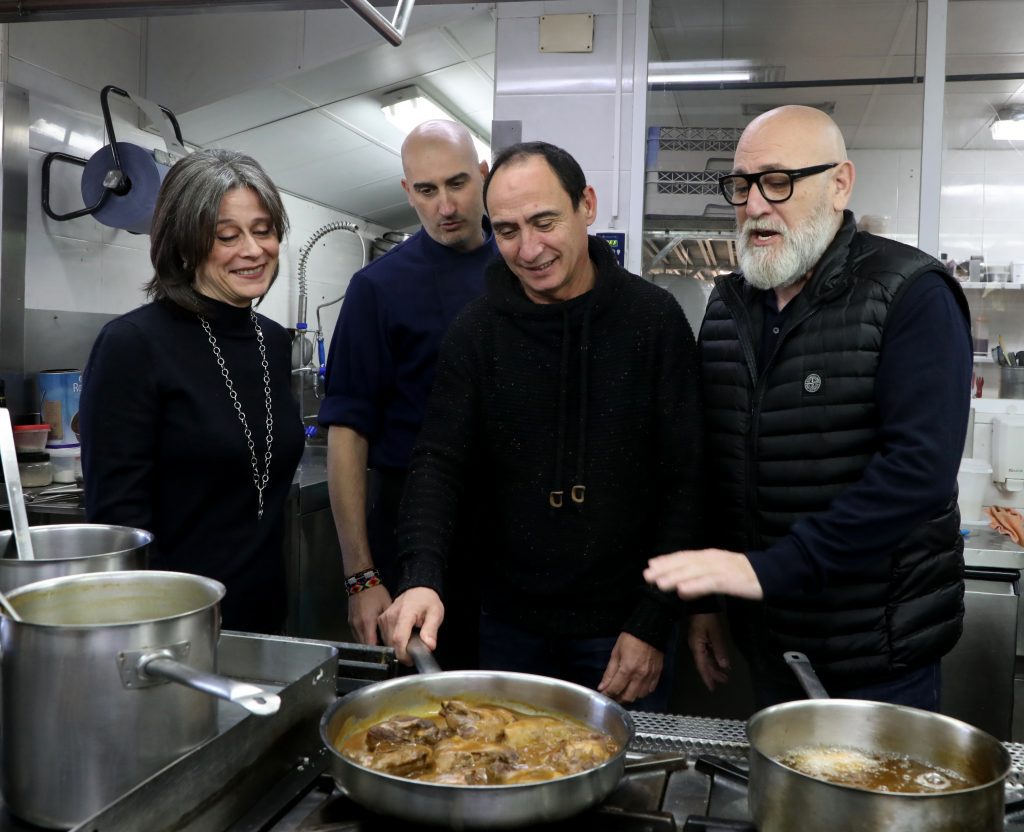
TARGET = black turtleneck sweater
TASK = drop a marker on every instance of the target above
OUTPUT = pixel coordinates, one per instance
(163, 448)
(529, 399)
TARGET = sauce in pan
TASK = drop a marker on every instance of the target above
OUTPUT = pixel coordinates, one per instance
(875, 770)
(475, 744)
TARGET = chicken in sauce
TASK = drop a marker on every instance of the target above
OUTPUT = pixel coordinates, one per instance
(471, 744)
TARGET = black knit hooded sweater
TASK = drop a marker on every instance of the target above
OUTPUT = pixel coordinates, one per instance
(569, 435)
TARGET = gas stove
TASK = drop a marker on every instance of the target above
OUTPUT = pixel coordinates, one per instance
(707, 795)
(272, 775)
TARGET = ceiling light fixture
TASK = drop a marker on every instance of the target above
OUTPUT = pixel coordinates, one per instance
(1009, 124)
(698, 72)
(409, 107)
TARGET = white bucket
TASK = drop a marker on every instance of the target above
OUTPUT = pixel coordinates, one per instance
(972, 480)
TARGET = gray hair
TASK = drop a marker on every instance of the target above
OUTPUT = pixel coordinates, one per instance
(185, 218)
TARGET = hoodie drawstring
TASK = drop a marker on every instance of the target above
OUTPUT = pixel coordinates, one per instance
(556, 497)
(579, 489)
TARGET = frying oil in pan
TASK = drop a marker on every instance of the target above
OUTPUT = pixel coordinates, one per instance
(875, 770)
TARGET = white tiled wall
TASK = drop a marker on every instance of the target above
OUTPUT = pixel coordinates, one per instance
(982, 193)
(568, 99)
(80, 265)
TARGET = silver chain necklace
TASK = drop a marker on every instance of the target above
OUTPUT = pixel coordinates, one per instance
(259, 480)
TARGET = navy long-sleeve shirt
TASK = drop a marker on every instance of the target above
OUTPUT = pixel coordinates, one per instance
(922, 390)
(384, 350)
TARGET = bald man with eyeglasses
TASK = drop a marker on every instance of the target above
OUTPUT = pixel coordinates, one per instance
(836, 373)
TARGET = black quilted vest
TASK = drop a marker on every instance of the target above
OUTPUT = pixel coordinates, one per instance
(785, 442)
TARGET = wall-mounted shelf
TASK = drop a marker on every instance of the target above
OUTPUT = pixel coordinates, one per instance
(979, 284)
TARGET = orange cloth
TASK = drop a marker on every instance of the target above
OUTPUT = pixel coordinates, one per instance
(1007, 521)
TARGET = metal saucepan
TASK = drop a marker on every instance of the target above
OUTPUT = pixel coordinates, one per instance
(87, 711)
(72, 549)
(462, 807)
(782, 799)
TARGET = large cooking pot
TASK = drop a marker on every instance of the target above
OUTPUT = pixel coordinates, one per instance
(72, 549)
(783, 799)
(87, 708)
(460, 807)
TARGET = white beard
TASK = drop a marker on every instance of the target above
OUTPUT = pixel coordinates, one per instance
(776, 267)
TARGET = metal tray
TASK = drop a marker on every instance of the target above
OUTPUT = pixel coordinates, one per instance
(252, 757)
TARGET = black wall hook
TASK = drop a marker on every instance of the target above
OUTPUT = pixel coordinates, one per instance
(115, 180)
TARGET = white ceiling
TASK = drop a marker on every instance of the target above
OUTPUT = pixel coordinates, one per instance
(321, 134)
(841, 39)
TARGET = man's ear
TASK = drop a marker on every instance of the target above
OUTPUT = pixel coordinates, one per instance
(408, 193)
(589, 204)
(842, 181)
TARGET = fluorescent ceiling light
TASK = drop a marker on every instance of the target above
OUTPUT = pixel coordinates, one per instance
(1009, 124)
(698, 72)
(698, 78)
(409, 107)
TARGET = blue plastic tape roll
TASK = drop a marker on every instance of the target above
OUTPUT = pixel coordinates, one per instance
(133, 211)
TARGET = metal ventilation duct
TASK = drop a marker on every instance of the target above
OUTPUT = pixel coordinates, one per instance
(24, 11)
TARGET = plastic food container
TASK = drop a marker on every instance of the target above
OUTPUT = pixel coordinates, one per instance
(30, 437)
(67, 463)
(35, 469)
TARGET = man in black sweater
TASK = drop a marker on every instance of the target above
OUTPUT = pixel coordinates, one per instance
(565, 412)
(836, 372)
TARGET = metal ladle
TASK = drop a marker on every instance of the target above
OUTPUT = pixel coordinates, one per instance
(15, 498)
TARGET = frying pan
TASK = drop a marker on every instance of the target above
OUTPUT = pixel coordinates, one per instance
(783, 799)
(461, 807)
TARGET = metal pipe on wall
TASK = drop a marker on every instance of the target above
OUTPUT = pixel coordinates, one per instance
(688, 86)
(931, 128)
(14, 157)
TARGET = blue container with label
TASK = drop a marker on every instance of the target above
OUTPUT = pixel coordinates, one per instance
(59, 392)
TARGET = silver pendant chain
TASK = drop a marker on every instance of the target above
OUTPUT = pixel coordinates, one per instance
(260, 480)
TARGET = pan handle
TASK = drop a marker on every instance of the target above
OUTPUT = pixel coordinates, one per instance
(143, 668)
(805, 674)
(665, 764)
(421, 656)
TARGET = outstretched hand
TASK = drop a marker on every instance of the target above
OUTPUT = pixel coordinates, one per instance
(696, 573)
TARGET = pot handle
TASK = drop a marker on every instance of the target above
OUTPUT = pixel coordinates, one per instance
(656, 763)
(809, 681)
(253, 699)
(421, 656)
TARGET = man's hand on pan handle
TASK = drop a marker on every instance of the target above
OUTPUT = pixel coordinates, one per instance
(418, 607)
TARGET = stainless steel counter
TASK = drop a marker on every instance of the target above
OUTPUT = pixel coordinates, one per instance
(985, 547)
(309, 486)
(316, 583)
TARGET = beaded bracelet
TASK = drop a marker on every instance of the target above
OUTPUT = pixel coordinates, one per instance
(362, 580)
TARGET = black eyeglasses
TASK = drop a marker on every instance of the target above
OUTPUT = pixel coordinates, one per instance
(774, 185)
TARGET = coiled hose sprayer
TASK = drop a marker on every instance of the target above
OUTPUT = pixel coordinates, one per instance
(304, 253)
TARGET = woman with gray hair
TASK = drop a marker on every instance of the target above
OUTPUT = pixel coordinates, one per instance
(189, 426)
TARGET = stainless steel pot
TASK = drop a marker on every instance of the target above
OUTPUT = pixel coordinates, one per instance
(87, 711)
(783, 799)
(72, 549)
(462, 807)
